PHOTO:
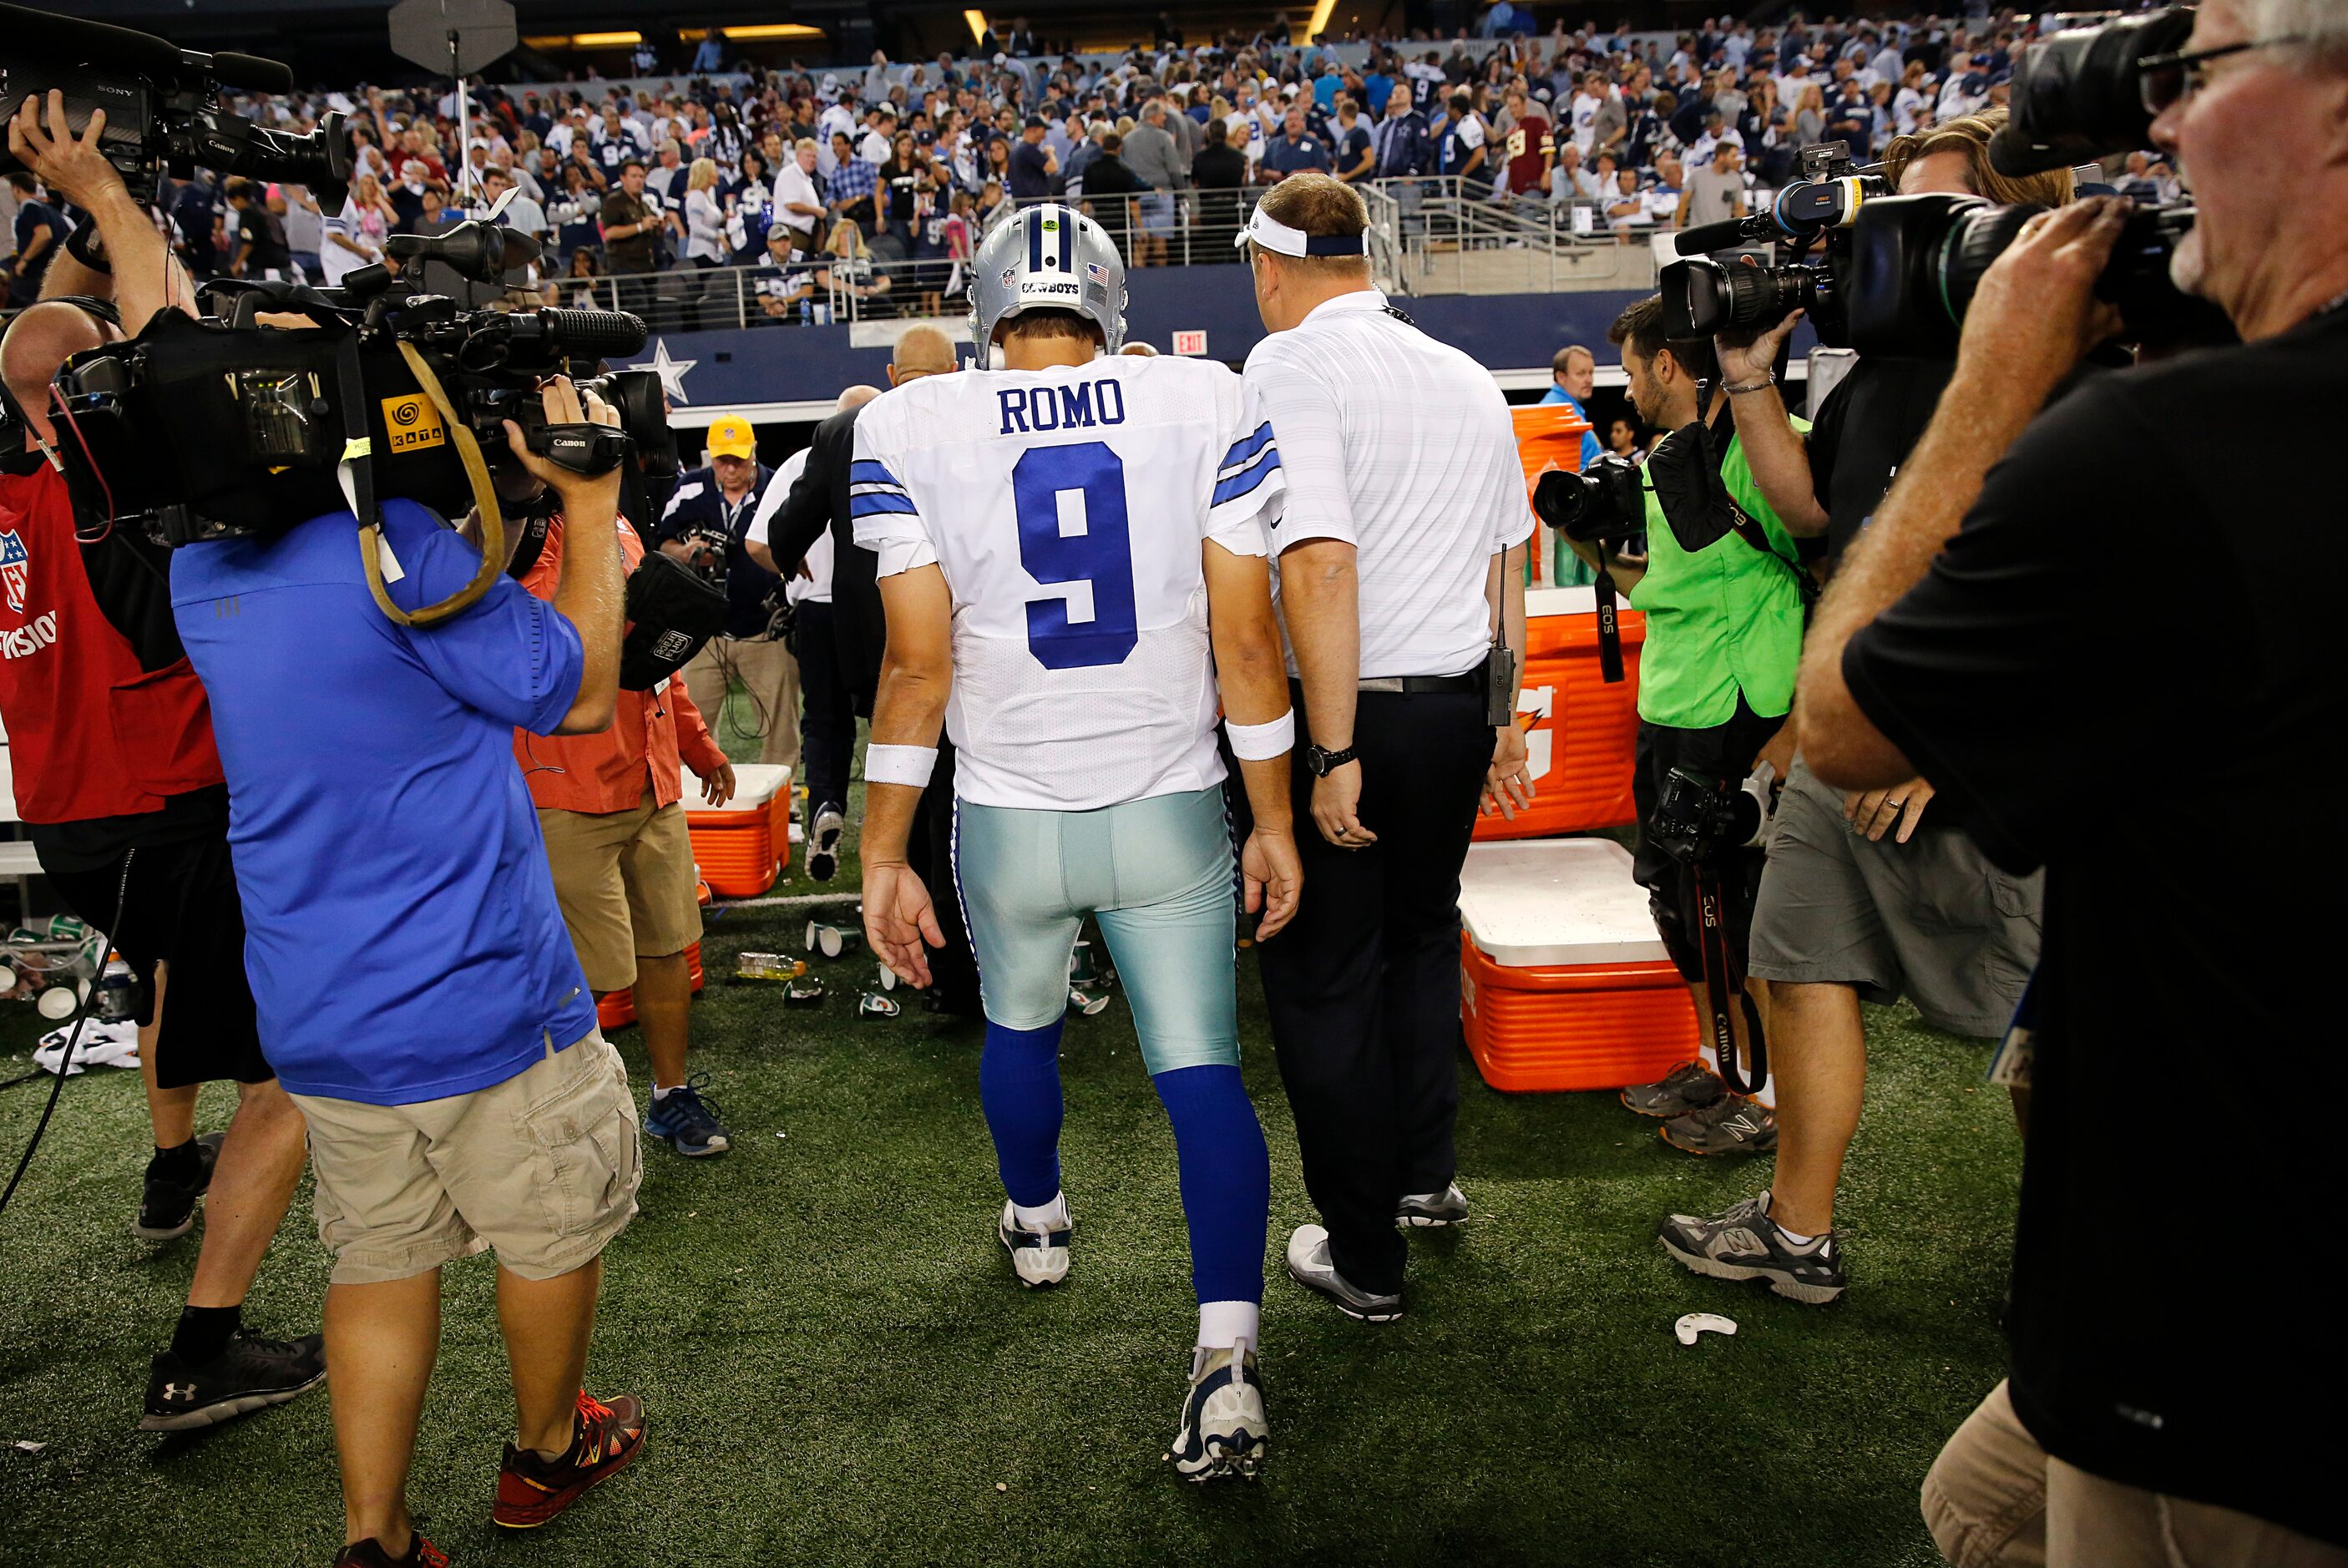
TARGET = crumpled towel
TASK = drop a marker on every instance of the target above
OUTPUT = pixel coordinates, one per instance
(102, 1046)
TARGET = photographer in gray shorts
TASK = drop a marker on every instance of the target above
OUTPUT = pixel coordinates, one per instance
(1866, 896)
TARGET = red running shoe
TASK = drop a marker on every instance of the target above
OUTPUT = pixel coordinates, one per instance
(531, 1491)
(369, 1554)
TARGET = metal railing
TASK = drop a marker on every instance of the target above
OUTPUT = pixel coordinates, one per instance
(1429, 235)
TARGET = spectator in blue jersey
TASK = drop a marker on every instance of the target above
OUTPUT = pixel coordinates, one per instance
(1465, 157)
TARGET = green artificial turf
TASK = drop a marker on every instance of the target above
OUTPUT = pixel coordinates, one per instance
(838, 1367)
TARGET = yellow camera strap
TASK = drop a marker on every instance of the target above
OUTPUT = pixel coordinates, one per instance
(485, 499)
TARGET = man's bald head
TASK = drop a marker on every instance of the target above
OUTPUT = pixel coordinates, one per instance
(855, 397)
(921, 351)
(35, 343)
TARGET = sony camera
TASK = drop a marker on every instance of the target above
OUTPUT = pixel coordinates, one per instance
(1604, 505)
(1703, 298)
(1918, 259)
(228, 426)
(1698, 818)
(163, 103)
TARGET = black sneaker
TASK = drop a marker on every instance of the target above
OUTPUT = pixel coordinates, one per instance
(1744, 1242)
(166, 1208)
(251, 1374)
(1732, 1124)
(1687, 1087)
(369, 1554)
(688, 1120)
(825, 826)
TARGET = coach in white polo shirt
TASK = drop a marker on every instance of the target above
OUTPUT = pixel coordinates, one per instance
(1402, 541)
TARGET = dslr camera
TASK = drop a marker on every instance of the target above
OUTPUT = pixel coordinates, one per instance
(1604, 506)
(163, 103)
(1698, 818)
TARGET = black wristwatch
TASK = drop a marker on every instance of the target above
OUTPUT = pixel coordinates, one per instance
(1319, 761)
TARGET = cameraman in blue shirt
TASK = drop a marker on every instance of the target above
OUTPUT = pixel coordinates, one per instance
(416, 986)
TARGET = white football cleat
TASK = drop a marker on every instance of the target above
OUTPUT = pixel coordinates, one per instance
(1038, 1257)
(1223, 1433)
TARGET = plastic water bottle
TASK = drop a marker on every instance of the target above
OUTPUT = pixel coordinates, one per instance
(115, 999)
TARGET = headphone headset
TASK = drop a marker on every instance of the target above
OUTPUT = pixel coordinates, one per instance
(14, 458)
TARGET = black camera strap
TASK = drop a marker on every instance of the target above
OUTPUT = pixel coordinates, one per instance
(1610, 631)
(1724, 986)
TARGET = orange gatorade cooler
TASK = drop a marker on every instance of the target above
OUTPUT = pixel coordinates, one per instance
(1581, 734)
(617, 1009)
(1548, 436)
(1563, 982)
(740, 845)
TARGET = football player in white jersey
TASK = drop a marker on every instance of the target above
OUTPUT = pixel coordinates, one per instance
(1074, 559)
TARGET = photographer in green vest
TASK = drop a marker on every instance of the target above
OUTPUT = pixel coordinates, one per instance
(1723, 596)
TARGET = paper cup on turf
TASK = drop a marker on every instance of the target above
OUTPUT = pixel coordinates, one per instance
(875, 1006)
(831, 941)
(889, 981)
(1086, 1003)
(57, 1002)
(1084, 969)
(802, 993)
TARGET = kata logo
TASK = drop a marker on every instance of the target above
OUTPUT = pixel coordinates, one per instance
(15, 569)
(413, 424)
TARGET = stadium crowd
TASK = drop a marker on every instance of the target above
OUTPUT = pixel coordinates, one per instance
(877, 185)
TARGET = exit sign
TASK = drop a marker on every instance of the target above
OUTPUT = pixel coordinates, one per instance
(1190, 342)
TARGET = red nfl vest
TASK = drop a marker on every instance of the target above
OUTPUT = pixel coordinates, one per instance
(92, 735)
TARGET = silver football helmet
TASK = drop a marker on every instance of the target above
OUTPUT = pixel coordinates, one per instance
(1046, 257)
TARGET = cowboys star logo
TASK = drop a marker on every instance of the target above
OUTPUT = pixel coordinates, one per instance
(14, 570)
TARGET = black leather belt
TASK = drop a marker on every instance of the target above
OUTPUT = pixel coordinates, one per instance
(1411, 686)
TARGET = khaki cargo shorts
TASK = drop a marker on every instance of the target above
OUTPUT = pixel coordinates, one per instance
(543, 1168)
(626, 884)
(1931, 918)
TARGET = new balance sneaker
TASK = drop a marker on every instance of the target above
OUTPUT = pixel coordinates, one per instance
(825, 829)
(1039, 1257)
(1732, 1124)
(603, 1438)
(167, 1208)
(1448, 1207)
(1309, 1265)
(369, 1554)
(1223, 1430)
(1687, 1087)
(688, 1120)
(1744, 1242)
(251, 1374)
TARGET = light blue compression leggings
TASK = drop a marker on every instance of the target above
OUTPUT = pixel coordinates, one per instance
(1157, 874)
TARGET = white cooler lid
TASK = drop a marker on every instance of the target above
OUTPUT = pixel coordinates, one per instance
(1550, 902)
(755, 785)
(1583, 601)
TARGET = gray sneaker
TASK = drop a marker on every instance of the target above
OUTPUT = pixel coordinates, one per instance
(1744, 1242)
(1687, 1087)
(1448, 1207)
(825, 827)
(1732, 1124)
(1309, 1265)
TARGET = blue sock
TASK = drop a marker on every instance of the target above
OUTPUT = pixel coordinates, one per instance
(1226, 1179)
(1019, 1084)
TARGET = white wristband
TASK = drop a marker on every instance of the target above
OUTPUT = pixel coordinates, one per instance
(1260, 742)
(899, 764)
